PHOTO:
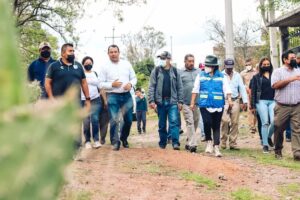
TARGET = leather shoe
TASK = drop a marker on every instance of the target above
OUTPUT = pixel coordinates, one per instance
(297, 156)
(234, 148)
(278, 154)
(193, 149)
(125, 144)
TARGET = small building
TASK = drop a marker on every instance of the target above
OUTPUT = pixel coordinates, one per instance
(289, 27)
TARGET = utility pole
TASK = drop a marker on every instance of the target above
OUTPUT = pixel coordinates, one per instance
(113, 36)
(273, 39)
(229, 46)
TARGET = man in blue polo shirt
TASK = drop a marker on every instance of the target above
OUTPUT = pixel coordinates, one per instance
(38, 68)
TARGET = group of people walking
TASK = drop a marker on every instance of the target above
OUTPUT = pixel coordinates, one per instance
(211, 96)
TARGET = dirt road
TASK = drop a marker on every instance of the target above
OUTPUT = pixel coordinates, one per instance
(145, 172)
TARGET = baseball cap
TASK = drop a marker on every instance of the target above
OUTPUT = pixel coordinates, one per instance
(44, 44)
(165, 55)
(229, 63)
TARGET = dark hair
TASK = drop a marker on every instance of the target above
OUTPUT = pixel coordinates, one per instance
(87, 58)
(285, 55)
(248, 60)
(113, 46)
(138, 89)
(65, 46)
(261, 62)
(187, 56)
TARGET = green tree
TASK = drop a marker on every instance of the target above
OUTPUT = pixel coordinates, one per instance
(143, 70)
(36, 141)
(143, 45)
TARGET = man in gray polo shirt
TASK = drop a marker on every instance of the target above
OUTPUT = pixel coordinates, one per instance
(191, 117)
(286, 82)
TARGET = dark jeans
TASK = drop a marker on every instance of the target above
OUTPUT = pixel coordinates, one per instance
(141, 117)
(103, 121)
(116, 103)
(93, 119)
(288, 130)
(211, 121)
(168, 111)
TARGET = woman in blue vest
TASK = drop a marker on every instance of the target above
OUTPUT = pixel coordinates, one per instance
(212, 87)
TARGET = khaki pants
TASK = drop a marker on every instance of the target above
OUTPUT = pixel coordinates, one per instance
(281, 115)
(191, 120)
(229, 126)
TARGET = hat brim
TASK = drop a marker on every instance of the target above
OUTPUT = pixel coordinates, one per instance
(209, 64)
(45, 46)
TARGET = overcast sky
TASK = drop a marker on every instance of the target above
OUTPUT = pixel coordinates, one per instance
(183, 20)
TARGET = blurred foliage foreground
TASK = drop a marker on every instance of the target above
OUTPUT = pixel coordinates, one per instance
(36, 141)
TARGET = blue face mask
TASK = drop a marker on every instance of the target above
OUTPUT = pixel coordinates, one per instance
(162, 63)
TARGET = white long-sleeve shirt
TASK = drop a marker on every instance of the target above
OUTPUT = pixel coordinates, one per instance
(93, 84)
(122, 71)
(226, 90)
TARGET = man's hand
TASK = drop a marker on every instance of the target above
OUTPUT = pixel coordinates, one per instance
(127, 86)
(244, 106)
(230, 105)
(192, 107)
(295, 78)
(253, 111)
(117, 83)
(179, 106)
(88, 105)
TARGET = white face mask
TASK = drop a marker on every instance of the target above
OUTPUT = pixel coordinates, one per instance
(248, 67)
(207, 69)
(162, 63)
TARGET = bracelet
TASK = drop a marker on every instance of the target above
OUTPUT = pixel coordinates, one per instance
(87, 98)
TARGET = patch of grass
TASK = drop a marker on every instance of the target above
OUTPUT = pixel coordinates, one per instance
(266, 159)
(290, 190)
(201, 180)
(76, 195)
(246, 194)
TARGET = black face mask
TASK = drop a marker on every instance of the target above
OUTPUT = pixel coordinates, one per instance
(45, 54)
(293, 63)
(266, 68)
(88, 67)
(71, 58)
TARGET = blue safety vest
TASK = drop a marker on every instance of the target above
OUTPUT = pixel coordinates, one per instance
(211, 93)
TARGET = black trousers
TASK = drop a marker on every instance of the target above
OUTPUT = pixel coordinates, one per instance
(211, 121)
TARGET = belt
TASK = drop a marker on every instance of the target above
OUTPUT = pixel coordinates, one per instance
(288, 105)
(234, 99)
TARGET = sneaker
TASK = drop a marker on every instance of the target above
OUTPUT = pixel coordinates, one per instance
(176, 147)
(288, 140)
(203, 139)
(209, 147)
(193, 149)
(270, 142)
(217, 151)
(97, 145)
(265, 149)
(116, 146)
(88, 145)
(187, 147)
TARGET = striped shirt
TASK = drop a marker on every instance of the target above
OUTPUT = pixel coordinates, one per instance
(290, 94)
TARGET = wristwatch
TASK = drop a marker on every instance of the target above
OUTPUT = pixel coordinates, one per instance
(88, 98)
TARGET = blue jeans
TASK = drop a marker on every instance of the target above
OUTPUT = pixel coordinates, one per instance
(265, 109)
(119, 103)
(141, 117)
(92, 118)
(169, 111)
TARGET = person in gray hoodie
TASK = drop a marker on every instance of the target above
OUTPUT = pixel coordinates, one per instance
(166, 97)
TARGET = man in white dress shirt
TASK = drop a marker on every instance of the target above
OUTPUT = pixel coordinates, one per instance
(117, 78)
